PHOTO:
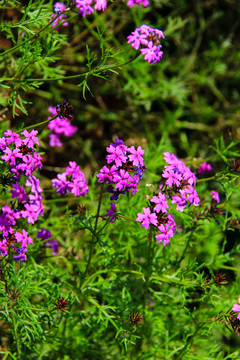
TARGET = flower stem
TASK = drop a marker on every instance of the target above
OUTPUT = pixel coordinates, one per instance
(86, 74)
(189, 342)
(94, 235)
(16, 336)
(39, 124)
(185, 249)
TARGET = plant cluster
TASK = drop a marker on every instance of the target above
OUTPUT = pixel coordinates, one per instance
(154, 272)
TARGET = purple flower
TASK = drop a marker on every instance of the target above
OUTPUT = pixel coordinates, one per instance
(106, 175)
(44, 234)
(24, 238)
(204, 167)
(11, 155)
(111, 213)
(126, 172)
(131, 3)
(162, 204)
(22, 255)
(72, 180)
(236, 307)
(59, 126)
(147, 39)
(180, 200)
(121, 179)
(84, 7)
(30, 138)
(136, 155)
(152, 53)
(58, 8)
(173, 177)
(117, 155)
(147, 218)
(166, 233)
(19, 192)
(31, 213)
(13, 137)
(215, 196)
(100, 5)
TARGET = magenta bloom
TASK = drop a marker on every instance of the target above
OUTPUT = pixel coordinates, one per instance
(204, 167)
(131, 3)
(148, 40)
(100, 5)
(162, 204)
(136, 155)
(72, 180)
(30, 138)
(173, 177)
(215, 196)
(166, 233)
(111, 213)
(152, 53)
(147, 218)
(236, 307)
(58, 8)
(117, 155)
(59, 126)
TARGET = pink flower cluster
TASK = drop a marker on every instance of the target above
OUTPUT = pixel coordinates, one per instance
(72, 180)
(86, 6)
(149, 40)
(204, 167)
(124, 174)
(59, 126)
(236, 307)
(178, 188)
(58, 8)
(132, 3)
(22, 160)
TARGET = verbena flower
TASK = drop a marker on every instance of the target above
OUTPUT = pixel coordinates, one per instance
(86, 6)
(178, 189)
(147, 218)
(45, 234)
(72, 180)
(148, 40)
(58, 8)
(236, 307)
(21, 160)
(124, 175)
(215, 196)
(60, 125)
(131, 3)
(204, 167)
(112, 213)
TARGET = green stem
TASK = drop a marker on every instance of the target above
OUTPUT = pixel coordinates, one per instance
(146, 286)
(35, 36)
(215, 177)
(86, 74)
(185, 249)
(39, 124)
(189, 342)
(16, 336)
(94, 233)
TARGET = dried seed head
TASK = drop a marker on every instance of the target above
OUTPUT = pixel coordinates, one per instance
(135, 318)
(61, 304)
(65, 110)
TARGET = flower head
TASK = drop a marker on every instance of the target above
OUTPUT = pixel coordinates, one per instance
(72, 180)
(148, 40)
(236, 307)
